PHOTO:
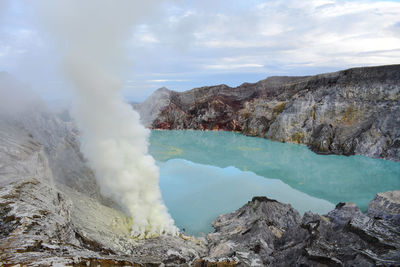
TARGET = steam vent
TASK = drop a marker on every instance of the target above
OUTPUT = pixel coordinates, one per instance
(273, 139)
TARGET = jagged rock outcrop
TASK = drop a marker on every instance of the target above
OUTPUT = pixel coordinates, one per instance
(265, 232)
(44, 222)
(53, 214)
(43, 226)
(51, 208)
(355, 111)
(387, 206)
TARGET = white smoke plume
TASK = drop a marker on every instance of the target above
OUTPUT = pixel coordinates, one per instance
(91, 35)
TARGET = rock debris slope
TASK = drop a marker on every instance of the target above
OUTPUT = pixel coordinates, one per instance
(51, 209)
(53, 214)
(355, 111)
(44, 222)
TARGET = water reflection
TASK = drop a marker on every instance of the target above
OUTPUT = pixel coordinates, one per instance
(196, 194)
(333, 178)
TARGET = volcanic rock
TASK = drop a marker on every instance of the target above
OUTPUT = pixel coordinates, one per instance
(51, 209)
(386, 206)
(354, 111)
(265, 232)
(52, 213)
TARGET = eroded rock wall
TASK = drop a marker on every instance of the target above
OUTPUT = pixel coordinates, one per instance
(355, 111)
(46, 223)
(52, 212)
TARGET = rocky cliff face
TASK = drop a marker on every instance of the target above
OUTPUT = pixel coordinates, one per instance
(355, 111)
(47, 222)
(53, 214)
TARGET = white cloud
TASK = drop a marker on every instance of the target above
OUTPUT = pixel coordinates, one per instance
(148, 38)
(190, 43)
(233, 66)
(167, 80)
(314, 31)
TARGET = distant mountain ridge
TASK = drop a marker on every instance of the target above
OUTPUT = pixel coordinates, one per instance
(354, 111)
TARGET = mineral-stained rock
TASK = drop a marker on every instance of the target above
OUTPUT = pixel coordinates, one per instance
(52, 213)
(355, 111)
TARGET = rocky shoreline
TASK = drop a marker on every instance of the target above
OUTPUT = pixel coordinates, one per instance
(265, 232)
(354, 111)
(42, 226)
(47, 220)
(52, 213)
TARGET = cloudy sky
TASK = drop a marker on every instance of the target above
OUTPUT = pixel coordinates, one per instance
(187, 44)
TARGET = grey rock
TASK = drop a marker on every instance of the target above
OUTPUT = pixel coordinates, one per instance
(268, 233)
(254, 233)
(44, 222)
(51, 209)
(42, 226)
(52, 213)
(386, 206)
(153, 105)
(343, 213)
(354, 111)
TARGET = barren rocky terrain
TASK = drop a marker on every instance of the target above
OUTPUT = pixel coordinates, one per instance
(52, 213)
(354, 111)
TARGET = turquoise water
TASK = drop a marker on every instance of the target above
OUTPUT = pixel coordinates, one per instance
(196, 193)
(217, 172)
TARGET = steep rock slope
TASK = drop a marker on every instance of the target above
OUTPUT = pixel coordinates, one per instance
(51, 209)
(355, 111)
(265, 232)
(52, 214)
(44, 222)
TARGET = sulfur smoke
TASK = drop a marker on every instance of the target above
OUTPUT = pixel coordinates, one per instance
(90, 35)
